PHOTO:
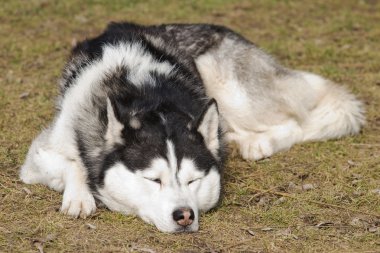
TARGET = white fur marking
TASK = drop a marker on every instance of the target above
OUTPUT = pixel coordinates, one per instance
(114, 127)
(172, 157)
(209, 129)
(136, 58)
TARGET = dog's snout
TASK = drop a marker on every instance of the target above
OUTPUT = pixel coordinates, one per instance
(183, 216)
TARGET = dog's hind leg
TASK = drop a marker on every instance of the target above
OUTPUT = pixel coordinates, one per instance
(266, 108)
(253, 114)
(311, 108)
(258, 145)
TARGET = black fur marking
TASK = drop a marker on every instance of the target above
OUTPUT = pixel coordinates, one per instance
(165, 106)
(174, 37)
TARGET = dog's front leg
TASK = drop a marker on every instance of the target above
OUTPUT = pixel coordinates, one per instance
(77, 197)
(48, 167)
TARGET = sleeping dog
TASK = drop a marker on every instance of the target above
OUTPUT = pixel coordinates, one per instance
(144, 113)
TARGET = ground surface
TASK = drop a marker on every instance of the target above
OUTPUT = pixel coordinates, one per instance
(264, 208)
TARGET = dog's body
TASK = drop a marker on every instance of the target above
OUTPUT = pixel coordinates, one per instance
(137, 125)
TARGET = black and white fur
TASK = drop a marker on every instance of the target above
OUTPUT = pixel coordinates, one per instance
(143, 113)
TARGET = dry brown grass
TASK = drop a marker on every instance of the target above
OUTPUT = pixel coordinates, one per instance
(263, 209)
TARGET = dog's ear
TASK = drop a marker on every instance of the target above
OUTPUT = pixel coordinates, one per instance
(208, 127)
(114, 125)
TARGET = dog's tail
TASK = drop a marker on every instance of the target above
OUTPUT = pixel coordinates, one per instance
(337, 113)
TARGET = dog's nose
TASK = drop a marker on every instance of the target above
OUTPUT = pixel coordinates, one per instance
(184, 216)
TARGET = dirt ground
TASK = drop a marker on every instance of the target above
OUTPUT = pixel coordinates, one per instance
(316, 197)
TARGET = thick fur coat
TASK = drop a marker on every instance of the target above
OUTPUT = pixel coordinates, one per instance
(144, 112)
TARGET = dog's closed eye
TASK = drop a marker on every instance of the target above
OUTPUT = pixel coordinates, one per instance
(194, 180)
(156, 180)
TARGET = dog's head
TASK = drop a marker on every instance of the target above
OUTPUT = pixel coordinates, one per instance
(162, 165)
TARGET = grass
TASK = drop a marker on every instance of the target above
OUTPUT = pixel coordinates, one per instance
(338, 39)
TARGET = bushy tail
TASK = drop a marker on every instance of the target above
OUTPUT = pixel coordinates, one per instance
(337, 113)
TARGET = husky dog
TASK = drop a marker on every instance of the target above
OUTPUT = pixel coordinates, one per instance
(144, 112)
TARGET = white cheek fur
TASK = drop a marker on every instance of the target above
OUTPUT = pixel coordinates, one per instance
(194, 186)
(208, 191)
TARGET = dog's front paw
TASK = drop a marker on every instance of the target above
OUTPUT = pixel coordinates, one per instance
(78, 203)
(256, 149)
